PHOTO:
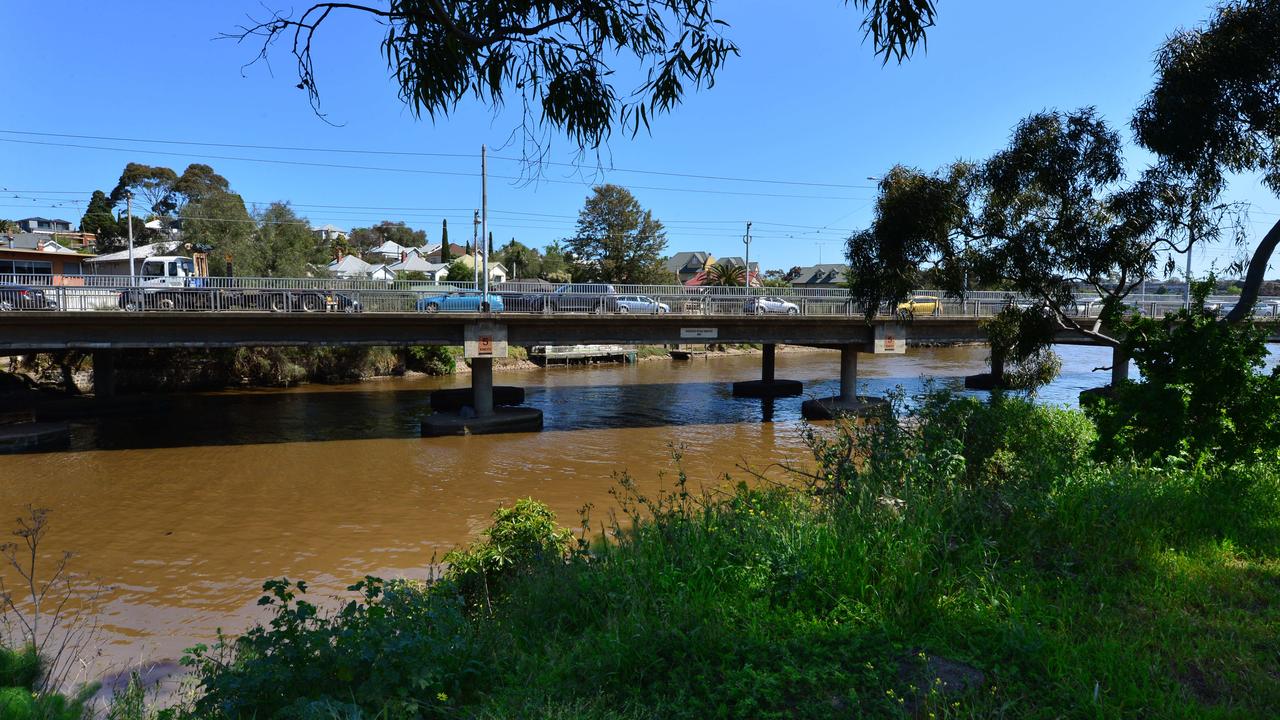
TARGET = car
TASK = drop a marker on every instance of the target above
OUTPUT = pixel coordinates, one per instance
(641, 304)
(24, 297)
(461, 301)
(770, 304)
(920, 305)
(576, 297)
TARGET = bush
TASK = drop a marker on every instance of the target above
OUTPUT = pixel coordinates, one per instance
(522, 539)
(430, 359)
(1203, 393)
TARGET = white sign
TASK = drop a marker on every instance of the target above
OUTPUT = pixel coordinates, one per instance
(699, 333)
(484, 340)
(891, 339)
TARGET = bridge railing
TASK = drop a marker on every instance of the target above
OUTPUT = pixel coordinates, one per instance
(100, 293)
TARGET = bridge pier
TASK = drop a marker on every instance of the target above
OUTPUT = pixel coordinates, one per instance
(104, 374)
(481, 417)
(848, 402)
(767, 386)
(1119, 366)
(993, 380)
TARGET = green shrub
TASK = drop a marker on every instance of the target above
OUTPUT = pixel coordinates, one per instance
(1203, 392)
(521, 539)
(430, 359)
(19, 668)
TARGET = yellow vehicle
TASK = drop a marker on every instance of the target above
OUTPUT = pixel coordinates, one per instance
(920, 305)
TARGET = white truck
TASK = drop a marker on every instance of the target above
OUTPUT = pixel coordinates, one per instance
(176, 282)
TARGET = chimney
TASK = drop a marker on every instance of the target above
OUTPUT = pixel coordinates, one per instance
(403, 256)
(339, 254)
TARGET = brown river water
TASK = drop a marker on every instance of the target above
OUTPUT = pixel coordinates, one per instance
(182, 511)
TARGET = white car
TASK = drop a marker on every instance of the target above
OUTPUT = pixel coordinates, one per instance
(770, 304)
(641, 304)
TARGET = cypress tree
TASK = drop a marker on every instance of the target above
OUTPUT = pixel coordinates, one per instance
(445, 255)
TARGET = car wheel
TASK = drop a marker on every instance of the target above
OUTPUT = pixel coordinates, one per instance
(760, 309)
(310, 303)
(432, 307)
(278, 303)
(166, 303)
(6, 306)
(623, 309)
(793, 311)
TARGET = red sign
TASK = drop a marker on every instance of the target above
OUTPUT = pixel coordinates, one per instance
(484, 345)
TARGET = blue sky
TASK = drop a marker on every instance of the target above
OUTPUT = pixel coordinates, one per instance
(806, 102)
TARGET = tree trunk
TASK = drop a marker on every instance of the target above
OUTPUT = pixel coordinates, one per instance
(1257, 270)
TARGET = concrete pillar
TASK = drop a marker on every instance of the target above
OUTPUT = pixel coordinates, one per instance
(997, 367)
(482, 386)
(849, 373)
(766, 363)
(104, 373)
(1119, 366)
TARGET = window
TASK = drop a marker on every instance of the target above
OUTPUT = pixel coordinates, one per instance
(26, 267)
(152, 269)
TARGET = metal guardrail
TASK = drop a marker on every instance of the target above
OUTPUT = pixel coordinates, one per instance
(108, 293)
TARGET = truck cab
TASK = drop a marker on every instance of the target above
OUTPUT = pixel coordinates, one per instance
(170, 271)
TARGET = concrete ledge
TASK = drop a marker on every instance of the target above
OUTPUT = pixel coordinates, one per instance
(767, 388)
(1093, 395)
(503, 420)
(981, 381)
(830, 408)
(34, 437)
(458, 398)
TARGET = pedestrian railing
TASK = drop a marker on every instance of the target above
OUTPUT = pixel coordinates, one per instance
(109, 293)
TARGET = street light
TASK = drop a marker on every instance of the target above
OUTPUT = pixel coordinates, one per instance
(746, 240)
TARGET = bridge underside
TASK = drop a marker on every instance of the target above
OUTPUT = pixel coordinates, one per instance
(33, 332)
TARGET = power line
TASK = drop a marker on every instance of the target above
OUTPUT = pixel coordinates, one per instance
(408, 153)
(412, 171)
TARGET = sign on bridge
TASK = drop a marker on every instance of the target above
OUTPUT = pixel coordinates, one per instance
(703, 333)
(484, 340)
(891, 339)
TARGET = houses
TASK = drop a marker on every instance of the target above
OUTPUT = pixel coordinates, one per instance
(825, 275)
(415, 263)
(350, 266)
(329, 233)
(687, 265)
(117, 263)
(39, 254)
(44, 225)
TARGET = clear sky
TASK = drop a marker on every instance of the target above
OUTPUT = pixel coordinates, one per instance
(806, 102)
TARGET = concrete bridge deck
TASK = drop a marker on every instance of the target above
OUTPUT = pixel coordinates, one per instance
(31, 331)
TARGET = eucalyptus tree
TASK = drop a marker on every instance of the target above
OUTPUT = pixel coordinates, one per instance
(1215, 110)
(1050, 213)
(581, 68)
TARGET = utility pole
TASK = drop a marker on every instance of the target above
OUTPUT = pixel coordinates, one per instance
(484, 223)
(475, 248)
(128, 208)
(746, 240)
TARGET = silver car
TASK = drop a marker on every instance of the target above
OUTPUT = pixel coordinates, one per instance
(641, 304)
(770, 304)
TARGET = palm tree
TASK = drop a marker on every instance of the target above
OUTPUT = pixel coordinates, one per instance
(726, 275)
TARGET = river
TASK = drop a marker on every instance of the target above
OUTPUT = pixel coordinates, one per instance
(182, 511)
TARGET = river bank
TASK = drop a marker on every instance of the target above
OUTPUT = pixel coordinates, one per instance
(1015, 576)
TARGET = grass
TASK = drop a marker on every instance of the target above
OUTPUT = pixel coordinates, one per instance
(981, 536)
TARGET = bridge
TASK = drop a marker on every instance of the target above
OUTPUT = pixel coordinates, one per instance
(101, 318)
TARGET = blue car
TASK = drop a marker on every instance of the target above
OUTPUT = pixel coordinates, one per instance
(458, 302)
